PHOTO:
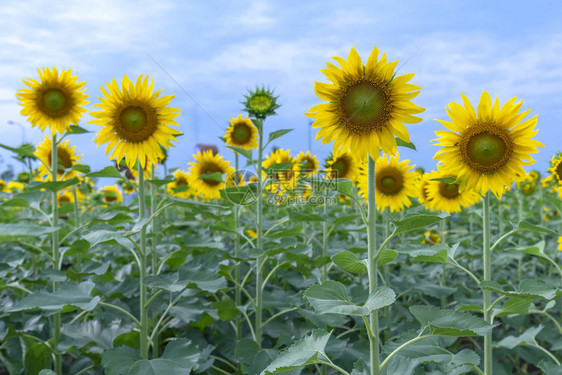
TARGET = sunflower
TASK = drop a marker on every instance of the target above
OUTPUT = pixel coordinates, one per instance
(367, 105)
(251, 233)
(128, 187)
(231, 179)
(66, 197)
(448, 197)
(3, 186)
(135, 121)
(282, 179)
(423, 197)
(555, 170)
(14, 187)
(111, 194)
(180, 187)
(66, 159)
(202, 175)
(560, 243)
(534, 175)
(487, 148)
(242, 133)
(260, 103)
(308, 163)
(395, 183)
(431, 239)
(342, 165)
(55, 101)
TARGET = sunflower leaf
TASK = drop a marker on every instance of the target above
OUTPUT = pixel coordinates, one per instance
(402, 143)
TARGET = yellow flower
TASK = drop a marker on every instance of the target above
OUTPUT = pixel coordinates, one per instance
(66, 197)
(560, 243)
(367, 105)
(111, 194)
(555, 169)
(242, 133)
(180, 186)
(342, 165)
(423, 197)
(488, 147)
(135, 121)
(308, 163)
(66, 159)
(284, 179)
(431, 239)
(3, 185)
(448, 197)
(55, 101)
(252, 233)
(534, 175)
(395, 183)
(14, 187)
(203, 174)
(128, 187)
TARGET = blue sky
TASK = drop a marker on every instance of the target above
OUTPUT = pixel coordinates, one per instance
(217, 50)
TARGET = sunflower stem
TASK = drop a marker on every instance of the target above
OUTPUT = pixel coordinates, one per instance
(56, 252)
(237, 291)
(76, 223)
(259, 239)
(487, 260)
(324, 270)
(374, 340)
(142, 269)
(442, 281)
(153, 191)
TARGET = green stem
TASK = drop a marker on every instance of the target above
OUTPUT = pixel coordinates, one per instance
(259, 239)
(56, 252)
(487, 257)
(324, 270)
(415, 339)
(371, 244)
(237, 291)
(142, 269)
(443, 228)
(153, 191)
(77, 224)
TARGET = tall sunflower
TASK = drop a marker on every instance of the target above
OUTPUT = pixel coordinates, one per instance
(342, 165)
(55, 101)
(488, 147)
(308, 163)
(242, 133)
(135, 121)
(205, 175)
(180, 186)
(367, 105)
(66, 157)
(395, 183)
(448, 197)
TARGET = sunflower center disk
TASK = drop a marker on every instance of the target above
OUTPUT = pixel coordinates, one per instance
(210, 169)
(363, 107)
(54, 100)
(63, 159)
(486, 148)
(241, 134)
(449, 191)
(339, 169)
(389, 181)
(133, 119)
(559, 171)
(260, 102)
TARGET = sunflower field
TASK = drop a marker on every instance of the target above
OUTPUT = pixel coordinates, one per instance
(281, 263)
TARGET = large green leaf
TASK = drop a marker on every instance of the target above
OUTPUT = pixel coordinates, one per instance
(179, 358)
(304, 352)
(415, 221)
(331, 297)
(526, 338)
(106, 172)
(277, 133)
(527, 288)
(37, 358)
(450, 323)
(349, 262)
(188, 276)
(66, 296)
(11, 231)
(54, 186)
(81, 334)
(528, 226)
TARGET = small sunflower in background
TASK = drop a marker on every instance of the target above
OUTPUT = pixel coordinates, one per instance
(423, 197)
(367, 105)
(534, 175)
(66, 197)
(14, 187)
(180, 186)
(260, 103)
(307, 163)
(395, 183)
(242, 133)
(555, 171)
(487, 148)
(231, 179)
(252, 233)
(431, 238)
(205, 175)
(111, 194)
(66, 159)
(128, 187)
(135, 122)
(284, 179)
(342, 165)
(3, 185)
(560, 243)
(55, 101)
(448, 197)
